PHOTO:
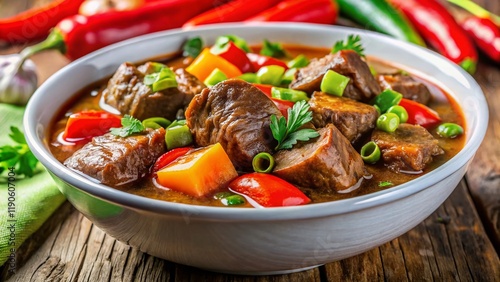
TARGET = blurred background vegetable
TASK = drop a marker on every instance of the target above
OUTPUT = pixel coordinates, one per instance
(440, 29)
(92, 7)
(17, 83)
(380, 16)
(311, 11)
(483, 27)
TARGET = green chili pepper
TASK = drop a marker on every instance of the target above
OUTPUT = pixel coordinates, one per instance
(263, 162)
(270, 74)
(387, 99)
(379, 15)
(449, 130)
(249, 77)
(215, 77)
(288, 77)
(156, 122)
(288, 94)
(178, 136)
(370, 152)
(388, 122)
(400, 111)
(298, 62)
(334, 83)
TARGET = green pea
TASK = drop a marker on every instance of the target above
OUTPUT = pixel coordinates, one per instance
(449, 130)
(370, 152)
(388, 122)
(400, 111)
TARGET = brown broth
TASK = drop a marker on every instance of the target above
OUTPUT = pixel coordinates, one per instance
(447, 108)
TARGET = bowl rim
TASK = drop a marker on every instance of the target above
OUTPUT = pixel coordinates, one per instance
(143, 204)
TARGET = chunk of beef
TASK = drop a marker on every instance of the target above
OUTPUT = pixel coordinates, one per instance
(410, 147)
(362, 85)
(237, 115)
(328, 162)
(117, 160)
(406, 85)
(354, 119)
(127, 93)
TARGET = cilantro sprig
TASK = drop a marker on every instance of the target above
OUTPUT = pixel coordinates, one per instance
(130, 125)
(353, 42)
(287, 132)
(17, 157)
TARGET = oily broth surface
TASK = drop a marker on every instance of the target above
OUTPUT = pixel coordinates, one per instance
(88, 99)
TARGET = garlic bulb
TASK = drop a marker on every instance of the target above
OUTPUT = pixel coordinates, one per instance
(17, 83)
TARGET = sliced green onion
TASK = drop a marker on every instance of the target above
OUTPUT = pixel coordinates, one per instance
(387, 99)
(164, 84)
(215, 77)
(388, 122)
(378, 109)
(160, 80)
(156, 122)
(250, 77)
(270, 74)
(192, 47)
(298, 62)
(157, 67)
(178, 136)
(166, 72)
(288, 94)
(288, 77)
(373, 71)
(449, 130)
(263, 162)
(400, 111)
(370, 152)
(334, 83)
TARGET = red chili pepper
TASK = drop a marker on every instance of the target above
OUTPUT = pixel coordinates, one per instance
(311, 11)
(259, 61)
(169, 157)
(486, 35)
(88, 124)
(268, 190)
(233, 11)
(37, 22)
(419, 113)
(234, 55)
(440, 29)
(79, 35)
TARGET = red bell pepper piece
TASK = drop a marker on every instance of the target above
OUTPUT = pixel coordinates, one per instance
(283, 106)
(234, 55)
(486, 35)
(311, 11)
(79, 35)
(439, 28)
(234, 11)
(259, 61)
(88, 124)
(419, 113)
(36, 23)
(268, 190)
(264, 88)
(169, 157)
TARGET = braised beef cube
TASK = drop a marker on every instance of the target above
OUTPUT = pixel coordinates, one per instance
(406, 85)
(127, 93)
(409, 148)
(354, 119)
(328, 163)
(237, 115)
(115, 160)
(362, 85)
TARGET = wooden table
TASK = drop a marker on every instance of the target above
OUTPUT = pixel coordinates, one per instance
(458, 242)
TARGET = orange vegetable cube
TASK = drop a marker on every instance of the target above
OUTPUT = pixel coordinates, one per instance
(206, 62)
(199, 172)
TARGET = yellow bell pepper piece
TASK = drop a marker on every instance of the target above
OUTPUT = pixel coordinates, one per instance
(206, 62)
(199, 172)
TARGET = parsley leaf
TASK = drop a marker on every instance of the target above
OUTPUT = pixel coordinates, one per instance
(286, 131)
(17, 158)
(130, 125)
(353, 43)
(274, 50)
(192, 47)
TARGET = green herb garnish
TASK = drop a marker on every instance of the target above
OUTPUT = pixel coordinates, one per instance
(385, 184)
(286, 131)
(17, 158)
(192, 47)
(130, 125)
(271, 49)
(353, 42)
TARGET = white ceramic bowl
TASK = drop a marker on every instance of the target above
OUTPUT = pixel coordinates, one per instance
(257, 241)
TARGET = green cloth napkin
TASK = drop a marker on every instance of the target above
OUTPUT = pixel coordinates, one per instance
(36, 198)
